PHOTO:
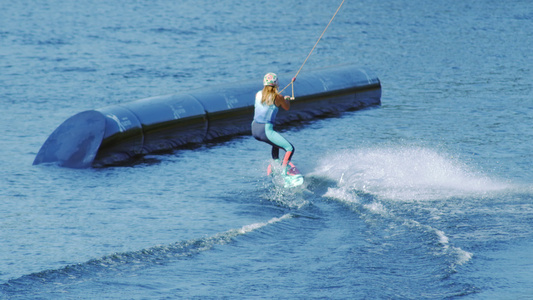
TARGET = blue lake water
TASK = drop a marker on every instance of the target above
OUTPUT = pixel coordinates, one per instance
(429, 196)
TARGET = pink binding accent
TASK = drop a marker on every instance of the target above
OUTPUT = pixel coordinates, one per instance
(293, 170)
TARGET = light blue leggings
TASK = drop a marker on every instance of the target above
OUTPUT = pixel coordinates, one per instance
(266, 133)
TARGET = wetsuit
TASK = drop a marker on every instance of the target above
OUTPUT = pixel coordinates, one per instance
(263, 129)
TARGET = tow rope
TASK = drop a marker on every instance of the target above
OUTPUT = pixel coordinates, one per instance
(294, 78)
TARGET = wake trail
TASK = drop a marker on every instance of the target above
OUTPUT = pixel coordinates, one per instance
(129, 261)
(400, 183)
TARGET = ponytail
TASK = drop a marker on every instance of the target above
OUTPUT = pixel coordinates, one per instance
(269, 95)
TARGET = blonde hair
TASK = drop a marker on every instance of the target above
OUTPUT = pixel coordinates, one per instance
(269, 94)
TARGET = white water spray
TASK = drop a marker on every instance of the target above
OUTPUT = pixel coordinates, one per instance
(405, 174)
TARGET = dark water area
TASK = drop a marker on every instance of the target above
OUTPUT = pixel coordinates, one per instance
(427, 197)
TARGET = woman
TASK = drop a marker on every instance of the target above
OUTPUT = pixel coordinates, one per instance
(267, 103)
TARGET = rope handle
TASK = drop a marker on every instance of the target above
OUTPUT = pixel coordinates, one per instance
(297, 73)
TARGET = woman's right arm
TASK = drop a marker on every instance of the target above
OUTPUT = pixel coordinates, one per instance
(281, 101)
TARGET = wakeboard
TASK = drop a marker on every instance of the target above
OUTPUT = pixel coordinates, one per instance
(289, 176)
